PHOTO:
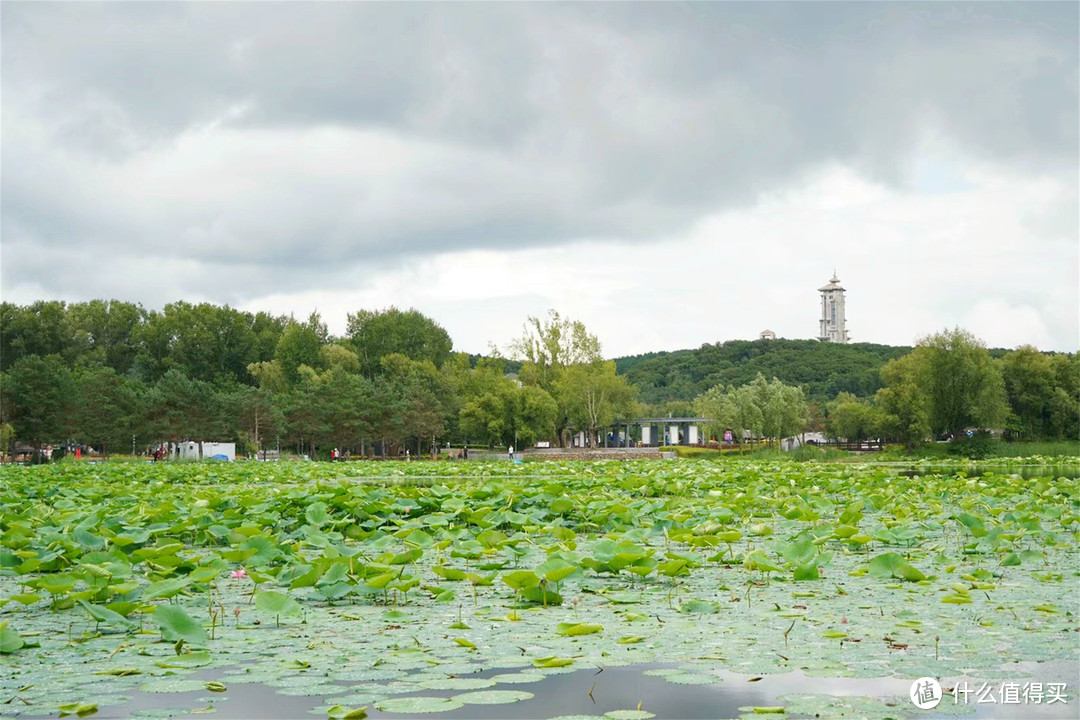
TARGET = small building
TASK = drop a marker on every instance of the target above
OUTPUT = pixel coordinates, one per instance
(767, 334)
(659, 431)
(191, 450)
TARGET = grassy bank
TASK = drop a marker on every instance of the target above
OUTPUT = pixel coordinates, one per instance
(983, 448)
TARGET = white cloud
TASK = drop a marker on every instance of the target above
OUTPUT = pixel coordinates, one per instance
(1009, 325)
(652, 170)
(913, 265)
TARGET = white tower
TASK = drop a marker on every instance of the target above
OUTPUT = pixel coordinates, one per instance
(832, 326)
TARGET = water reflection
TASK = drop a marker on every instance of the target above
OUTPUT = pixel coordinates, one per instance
(617, 688)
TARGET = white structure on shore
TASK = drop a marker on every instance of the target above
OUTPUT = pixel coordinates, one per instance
(832, 326)
(191, 450)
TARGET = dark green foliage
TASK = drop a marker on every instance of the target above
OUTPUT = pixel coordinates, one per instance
(374, 335)
(180, 408)
(101, 332)
(104, 372)
(1043, 391)
(40, 394)
(510, 366)
(853, 418)
(977, 447)
(299, 345)
(961, 381)
(39, 329)
(205, 342)
(108, 408)
(823, 369)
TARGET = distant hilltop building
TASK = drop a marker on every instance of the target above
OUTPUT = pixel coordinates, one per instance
(768, 335)
(832, 326)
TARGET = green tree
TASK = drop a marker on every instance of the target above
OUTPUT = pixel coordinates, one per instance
(766, 408)
(903, 401)
(547, 346)
(387, 415)
(487, 398)
(40, 329)
(308, 419)
(300, 344)
(254, 416)
(40, 392)
(376, 334)
(7, 436)
(103, 332)
(269, 376)
(670, 408)
(593, 395)
(719, 406)
(428, 400)
(853, 418)
(782, 409)
(1064, 418)
(487, 418)
(547, 349)
(535, 412)
(267, 330)
(509, 414)
(349, 405)
(962, 382)
(1029, 388)
(206, 342)
(179, 408)
(1043, 393)
(108, 408)
(339, 357)
(152, 339)
(335, 407)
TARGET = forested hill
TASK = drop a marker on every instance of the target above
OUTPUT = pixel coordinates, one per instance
(824, 369)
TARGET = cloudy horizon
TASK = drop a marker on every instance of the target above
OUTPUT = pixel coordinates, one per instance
(670, 174)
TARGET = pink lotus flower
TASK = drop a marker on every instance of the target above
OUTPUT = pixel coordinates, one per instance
(241, 573)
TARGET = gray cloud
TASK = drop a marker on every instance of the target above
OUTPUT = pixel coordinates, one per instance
(271, 136)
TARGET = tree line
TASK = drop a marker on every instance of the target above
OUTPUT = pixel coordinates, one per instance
(951, 384)
(948, 385)
(823, 370)
(111, 375)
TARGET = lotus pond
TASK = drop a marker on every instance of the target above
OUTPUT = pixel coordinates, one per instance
(580, 589)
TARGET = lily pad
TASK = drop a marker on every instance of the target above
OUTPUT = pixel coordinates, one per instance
(493, 697)
(419, 705)
(692, 678)
(171, 685)
(187, 660)
(176, 624)
(518, 678)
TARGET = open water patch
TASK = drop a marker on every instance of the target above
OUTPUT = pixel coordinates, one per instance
(592, 693)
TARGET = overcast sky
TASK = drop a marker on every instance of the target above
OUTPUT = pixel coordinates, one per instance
(671, 174)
